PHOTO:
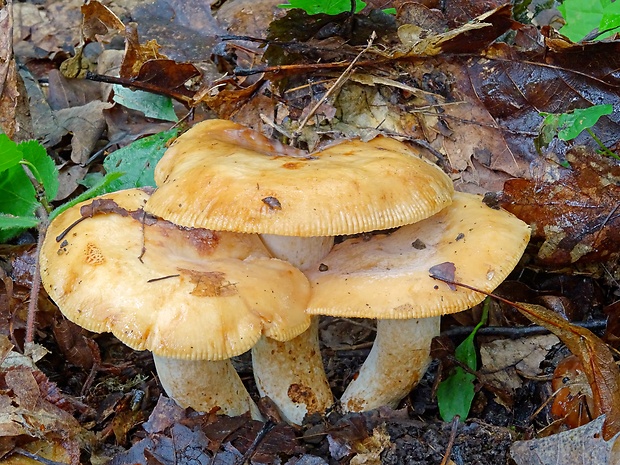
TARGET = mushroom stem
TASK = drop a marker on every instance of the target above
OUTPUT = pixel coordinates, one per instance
(291, 373)
(397, 361)
(205, 385)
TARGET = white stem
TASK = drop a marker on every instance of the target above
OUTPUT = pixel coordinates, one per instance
(291, 373)
(301, 252)
(204, 385)
(396, 363)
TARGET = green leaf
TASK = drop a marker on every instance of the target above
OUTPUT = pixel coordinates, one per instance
(137, 161)
(45, 168)
(9, 153)
(584, 16)
(328, 7)
(569, 125)
(18, 197)
(152, 105)
(456, 393)
(17, 222)
(611, 18)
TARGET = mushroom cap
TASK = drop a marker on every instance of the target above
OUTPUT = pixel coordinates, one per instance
(387, 277)
(223, 176)
(179, 292)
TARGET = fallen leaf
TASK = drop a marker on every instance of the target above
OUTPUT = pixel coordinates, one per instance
(599, 365)
(86, 125)
(574, 213)
(503, 359)
(99, 23)
(175, 22)
(8, 74)
(580, 445)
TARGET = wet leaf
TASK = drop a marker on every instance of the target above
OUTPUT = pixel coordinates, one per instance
(469, 37)
(574, 213)
(175, 22)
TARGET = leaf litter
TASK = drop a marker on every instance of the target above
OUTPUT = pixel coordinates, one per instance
(442, 81)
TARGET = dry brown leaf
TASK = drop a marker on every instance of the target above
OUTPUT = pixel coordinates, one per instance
(471, 36)
(580, 445)
(85, 123)
(8, 74)
(99, 23)
(503, 360)
(28, 409)
(599, 365)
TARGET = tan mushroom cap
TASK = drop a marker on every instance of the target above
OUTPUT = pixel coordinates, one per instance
(387, 277)
(179, 292)
(223, 176)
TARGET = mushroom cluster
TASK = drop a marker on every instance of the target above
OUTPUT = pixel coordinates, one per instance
(222, 176)
(235, 250)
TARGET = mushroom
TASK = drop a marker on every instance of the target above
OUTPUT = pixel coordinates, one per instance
(223, 176)
(387, 278)
(193, 297)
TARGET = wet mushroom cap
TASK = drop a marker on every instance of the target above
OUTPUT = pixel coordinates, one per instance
(387, 277)
(223, 176)
(179, 292)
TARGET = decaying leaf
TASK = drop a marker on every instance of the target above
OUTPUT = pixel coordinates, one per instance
(580, 445)
(473, 35)
(30, 409)
(8, 73)
(176, 435)
(504, 359)
(574, 213)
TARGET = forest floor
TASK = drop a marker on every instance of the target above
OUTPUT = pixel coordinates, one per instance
(467, 96)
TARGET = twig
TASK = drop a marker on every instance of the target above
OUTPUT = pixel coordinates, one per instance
(36, 276)
(43, 210)
(140, 85)
(337, 85)
(36, 457)
(455, 428)
(268, 426)
(520, 331)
